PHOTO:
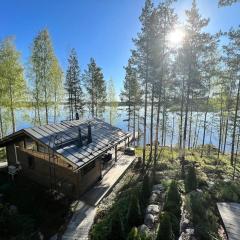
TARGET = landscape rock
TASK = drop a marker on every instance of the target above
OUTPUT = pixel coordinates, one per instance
(187, 235)
(153, 209)
(158, 187)
(149, 220)
(184, 224)
(154, 198)
(157, 192)
(144, 230)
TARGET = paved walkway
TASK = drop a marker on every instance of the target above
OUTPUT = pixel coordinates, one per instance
(84, 214)
(230, 214)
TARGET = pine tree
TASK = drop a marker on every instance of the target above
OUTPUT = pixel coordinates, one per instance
(95, 87)
(131, 94)
(143, 52)
(227, 2)
(73, 86)
(191, 56)
(233, 62)
(112, 100)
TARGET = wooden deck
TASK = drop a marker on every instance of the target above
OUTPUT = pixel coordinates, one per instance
(230, 214)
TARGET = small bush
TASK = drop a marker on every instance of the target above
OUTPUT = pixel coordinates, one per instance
(134, 217)
(191, 179)
(205, 222)
(173, 206)
(227, 191)
(116, 230)
(165, 231)
(173, 200)
(146, 189)
(134, 235)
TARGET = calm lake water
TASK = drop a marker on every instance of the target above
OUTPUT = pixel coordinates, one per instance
(25, 118)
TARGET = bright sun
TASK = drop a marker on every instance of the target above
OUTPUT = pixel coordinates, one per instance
(176, 37)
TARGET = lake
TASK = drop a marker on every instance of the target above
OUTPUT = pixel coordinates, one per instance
(25, 118)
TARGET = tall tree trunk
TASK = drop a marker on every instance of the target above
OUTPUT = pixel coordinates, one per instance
(190, 128)
(181, 121)
(151, 124)
(195, 132)
(173, 128)
(55, 107)
(220, 126)
(204, 127)
(134, 123)
(156, 133)
(185, 123)
(1, 124)
(226, 132)
(236, 154)
(46, 105)
(145, 112)
(12, 109)
(235, 123)
(138, 126)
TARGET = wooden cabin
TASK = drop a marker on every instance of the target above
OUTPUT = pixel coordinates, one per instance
(66, 157)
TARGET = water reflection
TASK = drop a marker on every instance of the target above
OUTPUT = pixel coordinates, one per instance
(25, 117)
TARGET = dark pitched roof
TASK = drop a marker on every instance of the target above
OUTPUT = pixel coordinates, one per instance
(63, 139)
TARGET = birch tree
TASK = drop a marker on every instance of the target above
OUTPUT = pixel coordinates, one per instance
(13, 85)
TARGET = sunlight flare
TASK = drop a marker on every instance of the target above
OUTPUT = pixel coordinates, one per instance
(176, 37)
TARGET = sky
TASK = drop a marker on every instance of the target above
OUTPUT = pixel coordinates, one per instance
(102, 29)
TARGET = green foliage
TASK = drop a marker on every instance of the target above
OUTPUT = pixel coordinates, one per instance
(191, 179)
(96, 87)
(205, 222)
(146, 189)
(226, 191)
(73, 85)
(16, 225)
(134, 217)
(173, 200)
(227, 2)
(12, 82)
(116, 229)
(165, 231)
(37, 209)
(134, 235)
(173, 206)
(45, 74)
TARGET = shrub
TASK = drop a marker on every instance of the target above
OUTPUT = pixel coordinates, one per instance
(173, 206)
(227, 191)
(165, 231)
(134, 217)
(134, 235)
(173, 200)
(205, 222)
(116, 229)
(191, 179)
(146, 189)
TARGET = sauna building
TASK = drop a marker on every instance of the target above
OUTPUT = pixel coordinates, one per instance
(66, 157)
